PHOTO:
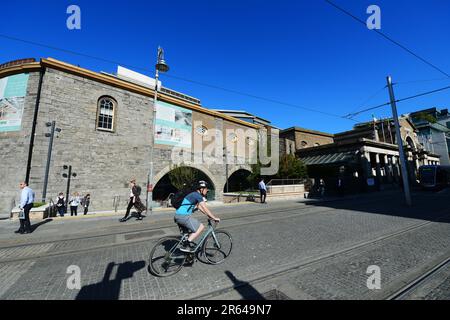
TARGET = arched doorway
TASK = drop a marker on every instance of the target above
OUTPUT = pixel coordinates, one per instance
(238, 181)
(171, 182)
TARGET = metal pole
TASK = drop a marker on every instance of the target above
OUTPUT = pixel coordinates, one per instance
(400, 143)
(68, 187)
(150, 174)
(49, 157)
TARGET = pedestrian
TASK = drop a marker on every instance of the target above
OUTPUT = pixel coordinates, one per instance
(61, 204)
(262, 190)
(135, 201)
(340, 187)
(26, 203)
(321, 188)
(74, 202)
(86, 202)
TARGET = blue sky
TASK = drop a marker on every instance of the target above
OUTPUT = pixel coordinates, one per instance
(305, 53)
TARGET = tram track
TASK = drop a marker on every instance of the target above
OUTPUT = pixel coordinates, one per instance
(161, 231)
(423, 279)
(319, 260)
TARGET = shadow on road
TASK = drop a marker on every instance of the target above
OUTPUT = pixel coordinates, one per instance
(109, 289)
(427, 205)
(247, 291)
(37, 225)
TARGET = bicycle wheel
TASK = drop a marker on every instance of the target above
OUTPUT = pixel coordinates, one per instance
(217, 246)
(166, 259)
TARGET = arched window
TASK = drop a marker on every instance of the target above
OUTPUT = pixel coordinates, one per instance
(304, 144)
(316, 144)
(105, 114)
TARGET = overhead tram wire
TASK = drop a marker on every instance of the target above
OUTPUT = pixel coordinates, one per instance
(390, 39)
(351, 115)
(174, 77)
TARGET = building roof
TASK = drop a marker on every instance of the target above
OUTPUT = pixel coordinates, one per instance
(299, 129)
(116, 82)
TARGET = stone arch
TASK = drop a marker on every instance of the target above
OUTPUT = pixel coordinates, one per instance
(239, 173)
(161, 180)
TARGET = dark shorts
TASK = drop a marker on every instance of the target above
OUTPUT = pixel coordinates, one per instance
(187, 221)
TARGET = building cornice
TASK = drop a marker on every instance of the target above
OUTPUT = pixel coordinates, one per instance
(118, 83)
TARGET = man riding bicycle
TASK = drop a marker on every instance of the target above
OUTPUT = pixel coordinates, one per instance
(193, 201)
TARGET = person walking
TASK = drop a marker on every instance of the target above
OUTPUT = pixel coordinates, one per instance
(86, 202)
(26, 203)
(321, 188)
(262, 190)
(74, 203)
(340, 187)
(134, 201)
(61, 204)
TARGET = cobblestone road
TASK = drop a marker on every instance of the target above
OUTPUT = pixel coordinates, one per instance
(307, 251)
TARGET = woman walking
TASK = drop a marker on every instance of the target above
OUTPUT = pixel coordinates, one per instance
(74, 203)
(86, 202)
(61, 204)
(134, 201)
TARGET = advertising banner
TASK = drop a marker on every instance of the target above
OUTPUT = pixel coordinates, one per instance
(173, 125)
(13, 90)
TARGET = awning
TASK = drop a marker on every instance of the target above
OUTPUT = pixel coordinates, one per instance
(330, 158)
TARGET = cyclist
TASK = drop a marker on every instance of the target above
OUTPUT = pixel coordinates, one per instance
(191, 202)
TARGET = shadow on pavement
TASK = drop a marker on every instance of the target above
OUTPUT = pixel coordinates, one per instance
(109, 289)
(426, 205)
(37, 225)
(247, 291)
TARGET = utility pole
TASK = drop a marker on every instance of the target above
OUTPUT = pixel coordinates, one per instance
(400, 143)
(50, 135)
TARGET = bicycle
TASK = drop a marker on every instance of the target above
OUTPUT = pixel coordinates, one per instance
(167, 259)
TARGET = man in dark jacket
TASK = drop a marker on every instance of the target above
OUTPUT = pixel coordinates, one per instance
(134, 201)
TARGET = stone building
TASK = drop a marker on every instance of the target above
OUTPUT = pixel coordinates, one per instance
(106, 128)
(296, 138)
(433, 127)
(367, 157)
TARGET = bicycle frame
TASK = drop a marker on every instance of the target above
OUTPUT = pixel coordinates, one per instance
(208, 231)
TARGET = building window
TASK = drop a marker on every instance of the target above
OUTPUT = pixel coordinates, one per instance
(448, 124)
(316, 144)
(201, 130)
(304, 144)
(105, 114)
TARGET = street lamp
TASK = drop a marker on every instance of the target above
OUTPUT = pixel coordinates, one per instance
(160, 66)
(68, 176)
(50, 135)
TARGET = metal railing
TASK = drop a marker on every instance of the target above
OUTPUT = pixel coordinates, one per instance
(282, 182)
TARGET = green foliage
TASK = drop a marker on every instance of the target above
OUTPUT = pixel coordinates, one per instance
(291, 168)
(427, 117)
(181, 176)
(38, 204)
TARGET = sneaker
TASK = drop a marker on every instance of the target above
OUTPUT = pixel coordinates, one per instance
(188, 247)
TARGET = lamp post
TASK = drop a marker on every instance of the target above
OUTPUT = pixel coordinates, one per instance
(50, 135)
(68, 176)
(160, 66)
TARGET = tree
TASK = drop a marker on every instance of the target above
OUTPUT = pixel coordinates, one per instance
(291, 168)
(182, 176)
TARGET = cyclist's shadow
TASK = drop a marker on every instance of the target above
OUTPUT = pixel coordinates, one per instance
(109, 289)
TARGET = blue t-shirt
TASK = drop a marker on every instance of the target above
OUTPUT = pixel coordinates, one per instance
(189, 203)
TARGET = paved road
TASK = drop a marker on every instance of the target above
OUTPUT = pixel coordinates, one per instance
(296, 249)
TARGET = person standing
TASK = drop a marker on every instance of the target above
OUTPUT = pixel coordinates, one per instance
(74, 202)
(134, 201)
(262, 190)
(86, 202)
(26, 203)
(321, 188)
(61, 204)
(340, 187)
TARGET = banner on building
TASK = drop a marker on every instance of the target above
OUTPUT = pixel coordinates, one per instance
(13, 90)
(173, 125)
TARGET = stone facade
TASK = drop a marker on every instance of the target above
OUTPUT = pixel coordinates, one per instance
(103, 161)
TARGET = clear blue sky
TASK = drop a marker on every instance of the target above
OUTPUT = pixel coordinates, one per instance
(305, 53)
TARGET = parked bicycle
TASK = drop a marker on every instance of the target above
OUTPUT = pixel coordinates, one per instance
(166, 258)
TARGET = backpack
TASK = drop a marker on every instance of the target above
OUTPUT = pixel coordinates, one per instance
(178, 197)
(138, 190)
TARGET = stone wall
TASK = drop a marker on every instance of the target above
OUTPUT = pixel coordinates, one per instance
(103, 161)
(14, 151)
